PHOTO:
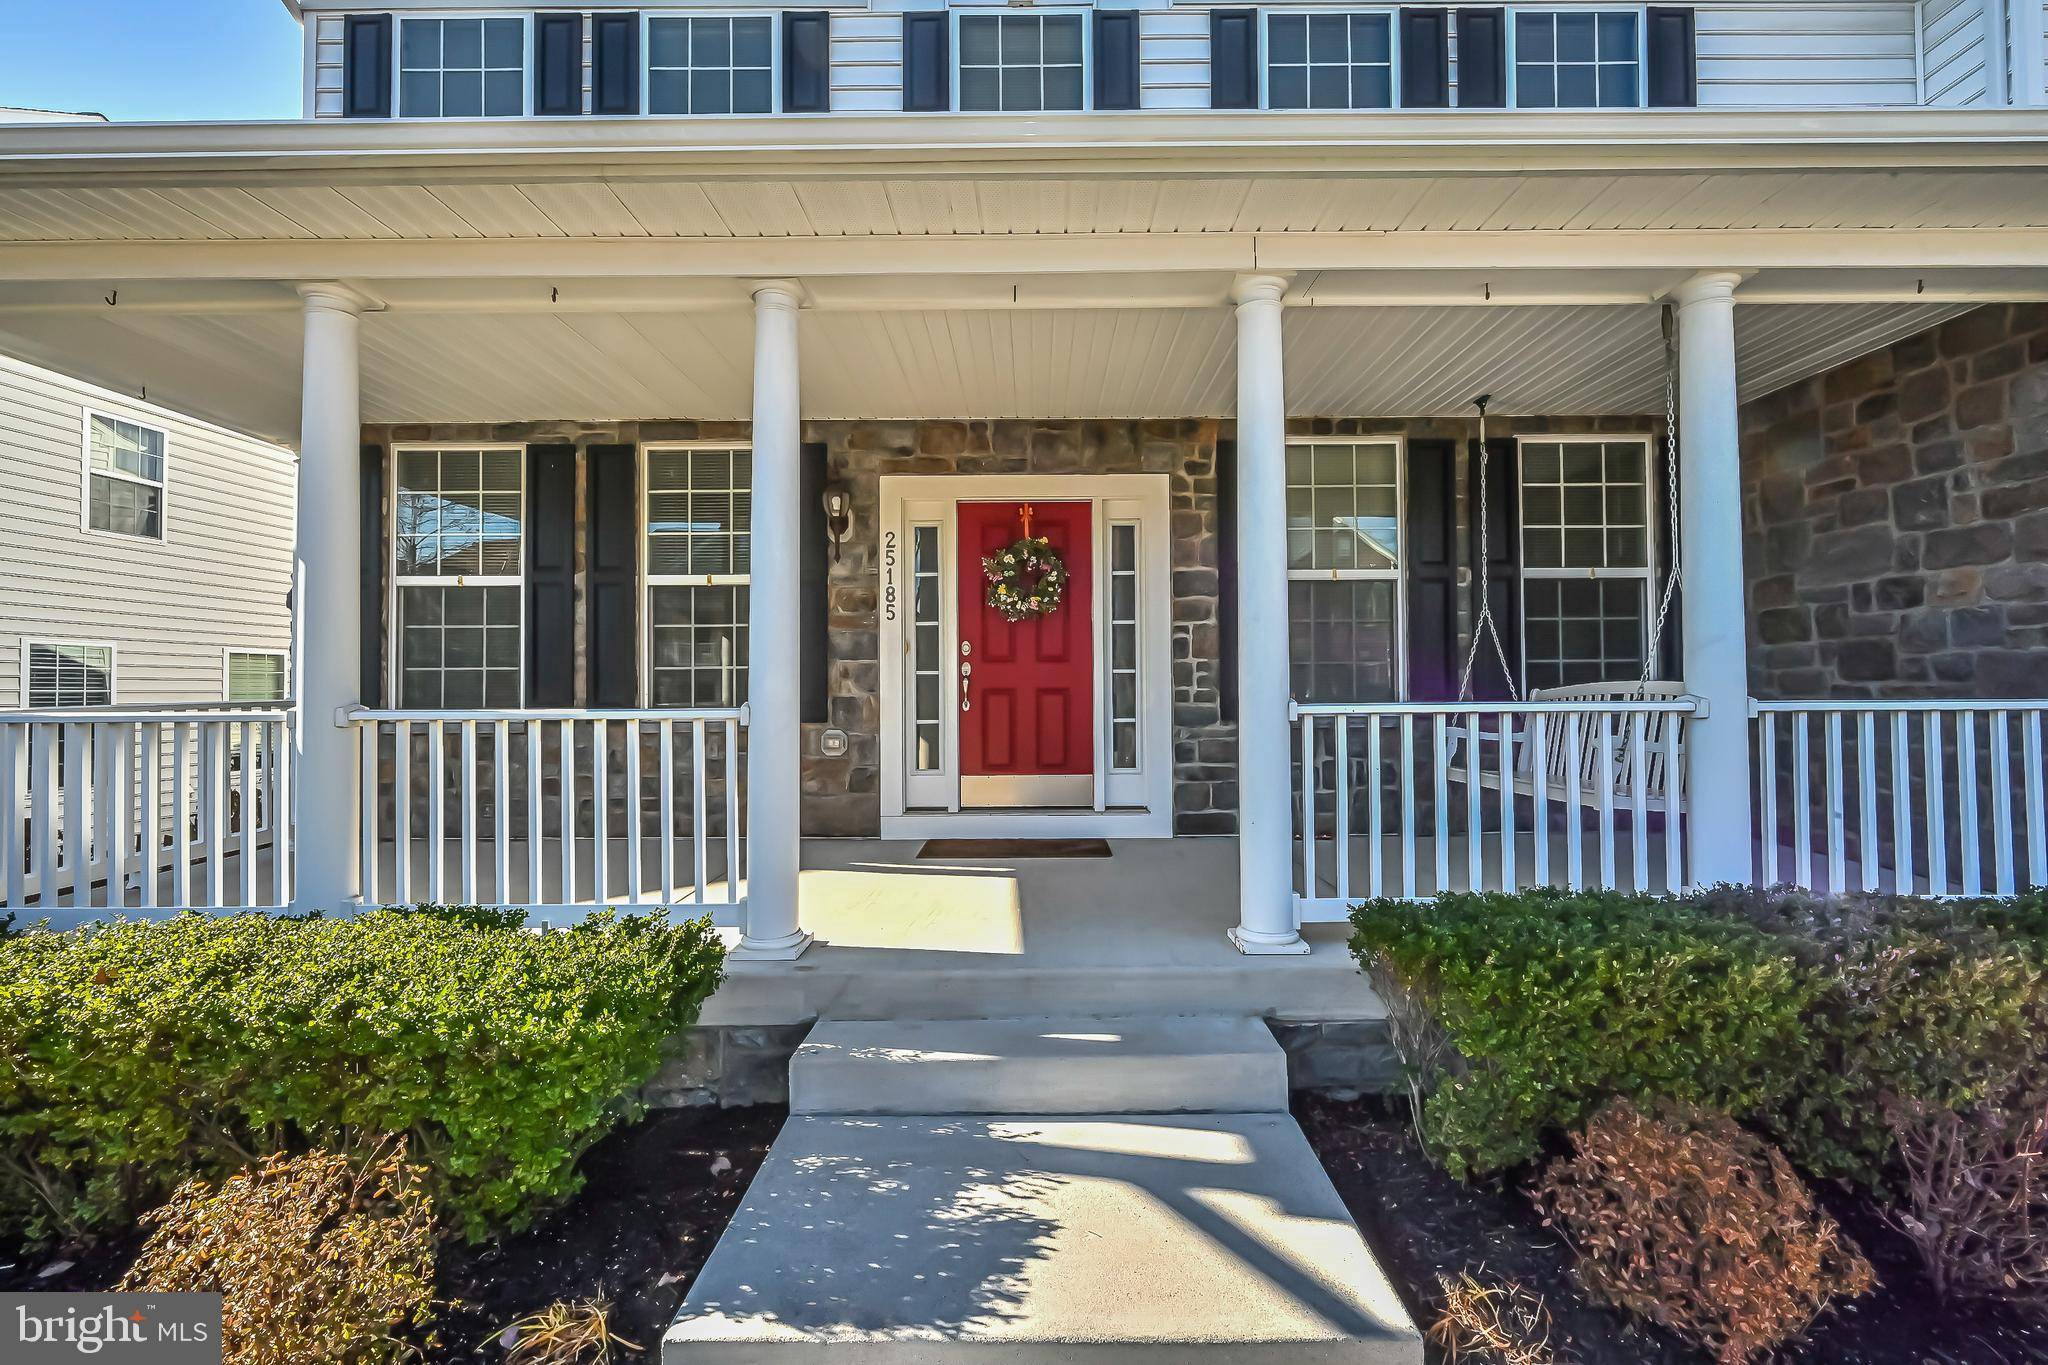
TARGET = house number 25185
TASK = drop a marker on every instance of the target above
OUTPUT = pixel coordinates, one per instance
(888, 575)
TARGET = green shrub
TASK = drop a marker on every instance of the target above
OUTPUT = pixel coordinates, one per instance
(1941, 1003)
(141, 1054)
(1557, 1002)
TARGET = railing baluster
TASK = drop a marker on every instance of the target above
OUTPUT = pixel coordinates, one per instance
(214, 770)
(1966, 804)
(369, 736)
(1308, 808)
(1505, 762)
(14, 841)
(1937, 799)
(633, 812)
(501, 811)
(1539, 800)
(1374, 852)
(1605, 786)
(700, 843)
(183, 741)
(1767, 795)
(1902, 804)
(75, 834)
(732, 812)
(1866, 791)
(1342, 734)
(1475, 819)
(2037, 813)
(600, 812)
(666, 841)
(108, 800)
(401, 807)
(1443, 803)
(245, 846)
(1639, 799)
(467, 759)
(281, 830)
(566, 739)
(437, 812)
(1837, 817)
(1408, 887)
(1574, 855)
(1802, 804)
(2000, 742)
(536, 816)
(1675, 801)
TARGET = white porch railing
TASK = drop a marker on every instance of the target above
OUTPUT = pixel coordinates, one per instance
(1938, 797)
(1409, 799)
(552, 810)
(106, 809)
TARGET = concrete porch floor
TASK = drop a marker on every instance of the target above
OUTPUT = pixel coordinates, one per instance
(1140, 932)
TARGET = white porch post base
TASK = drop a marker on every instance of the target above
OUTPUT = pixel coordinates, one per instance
(326, 655)
(1265, 776)
(774, 661)
(1710, 544)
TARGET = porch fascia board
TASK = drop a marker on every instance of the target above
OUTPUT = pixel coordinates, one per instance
(1679, 250)
(1267, 144)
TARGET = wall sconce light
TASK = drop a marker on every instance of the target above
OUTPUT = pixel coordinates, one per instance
(838, 515)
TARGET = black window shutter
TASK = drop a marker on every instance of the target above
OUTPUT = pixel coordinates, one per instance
(557, 63)
(551, 575)
(927, 70)
(366, 66)
(1482, 58)
(1226, 580)
(1674, 57)
(1432, 532)
(1503, 565)
(611, 649)
(814, 607)
(1425, 59)
(615, 63)
(1233, 59)
(370, 578)
(806, 61)
(1116, 59)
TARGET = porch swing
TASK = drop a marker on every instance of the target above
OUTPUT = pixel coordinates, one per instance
(1601, 773)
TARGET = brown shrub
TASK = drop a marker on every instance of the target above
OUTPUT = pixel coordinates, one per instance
(316, 1257)
(1686, 1219)
(1486, 1318)
(577, 1332)
(1975, 1199)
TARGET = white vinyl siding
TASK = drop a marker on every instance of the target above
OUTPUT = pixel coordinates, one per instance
(1960, 45)
(867, 61)
(1821, 53)
(218, 579)
(1173, 59)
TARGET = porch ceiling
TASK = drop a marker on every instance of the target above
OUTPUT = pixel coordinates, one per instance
(242, 370)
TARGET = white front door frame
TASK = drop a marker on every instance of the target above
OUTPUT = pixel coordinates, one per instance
(1128, 805)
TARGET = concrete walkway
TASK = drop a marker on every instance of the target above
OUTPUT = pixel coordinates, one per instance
(1196, 1222)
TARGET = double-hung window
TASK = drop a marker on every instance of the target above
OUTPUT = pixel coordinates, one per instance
(1578, 59)
(1587, 557)
(1329, 61)
(1344, 569)
(456, 545)
(1022, 62)
(255, 675)
(62, 673)
(124, 475)
(711, 64)
(461, 68)
(699, 502)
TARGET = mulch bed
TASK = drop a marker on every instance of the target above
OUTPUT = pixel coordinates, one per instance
(655, 1198)
(1421, 1223)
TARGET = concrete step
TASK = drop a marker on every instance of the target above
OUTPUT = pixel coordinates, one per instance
(1123, 1065)
(1022, 1238)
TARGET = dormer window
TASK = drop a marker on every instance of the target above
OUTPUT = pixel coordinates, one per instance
(1022, 62)
(711, 65)
(461, 68)
(1329, 61)
(1578, 59)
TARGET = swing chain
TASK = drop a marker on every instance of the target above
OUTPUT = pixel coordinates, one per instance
(1653, 646)
(1484, 625)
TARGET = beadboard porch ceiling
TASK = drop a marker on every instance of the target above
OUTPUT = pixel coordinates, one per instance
(242, 369)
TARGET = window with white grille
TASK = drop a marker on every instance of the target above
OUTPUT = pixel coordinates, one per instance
(1022, 62)
(716, 64)
(255, 675)
(457, 536)
(1587, 559)
(1578, 59)
(1344, 569)
(461, 68)
(65, 674)
(1329, 61)
(124, 475)
(699, 502)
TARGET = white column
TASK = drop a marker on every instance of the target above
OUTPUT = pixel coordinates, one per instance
(1265, 784)
(1716, 663)
(326, 655)
(774, 656)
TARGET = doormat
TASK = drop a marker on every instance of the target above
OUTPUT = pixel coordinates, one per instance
(1014, 848)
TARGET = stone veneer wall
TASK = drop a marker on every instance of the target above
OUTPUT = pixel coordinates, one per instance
(1895, 514)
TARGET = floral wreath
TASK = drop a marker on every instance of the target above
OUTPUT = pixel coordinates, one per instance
(1028, 579)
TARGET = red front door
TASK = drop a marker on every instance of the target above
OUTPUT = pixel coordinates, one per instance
(1027, 712)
